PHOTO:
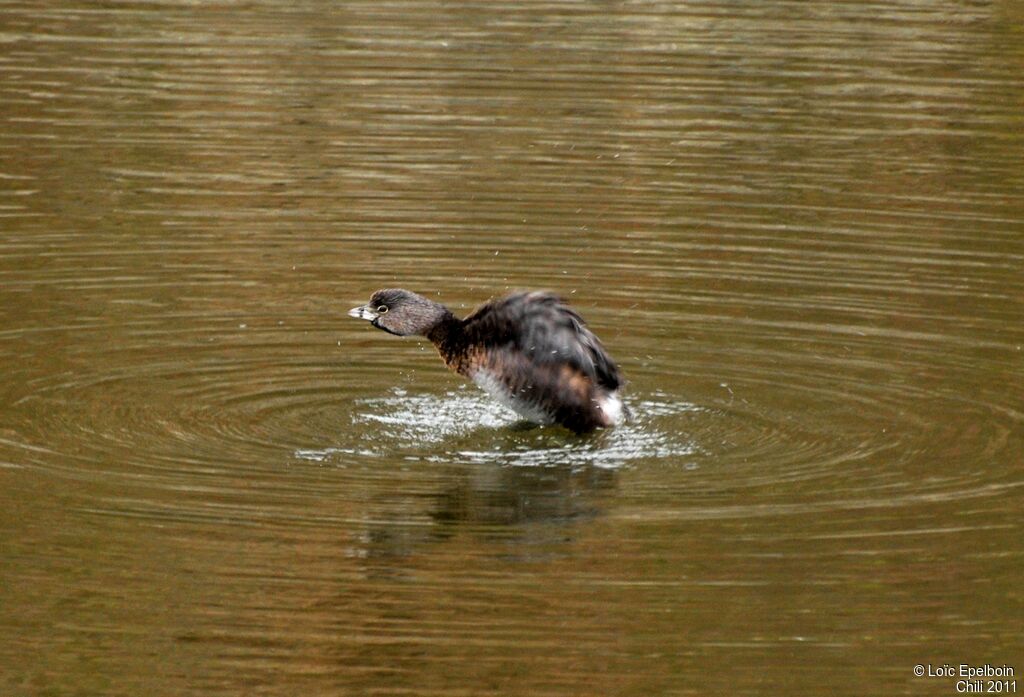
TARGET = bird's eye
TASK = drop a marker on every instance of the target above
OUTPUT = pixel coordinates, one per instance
(382, 309)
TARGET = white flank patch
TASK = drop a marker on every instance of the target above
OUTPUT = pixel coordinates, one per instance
(611, 405)
(493, 386)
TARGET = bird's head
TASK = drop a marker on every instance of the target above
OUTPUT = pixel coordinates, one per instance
(401, 312)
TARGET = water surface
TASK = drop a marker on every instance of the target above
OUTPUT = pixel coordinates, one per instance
(797, 225)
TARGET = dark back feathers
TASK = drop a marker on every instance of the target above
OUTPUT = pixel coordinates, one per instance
(542, 327)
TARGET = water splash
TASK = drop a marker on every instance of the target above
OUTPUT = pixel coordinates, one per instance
(468, 427)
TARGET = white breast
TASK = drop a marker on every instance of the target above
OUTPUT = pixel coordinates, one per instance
(493, 386)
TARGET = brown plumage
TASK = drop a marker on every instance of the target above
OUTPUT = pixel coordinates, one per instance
(530, 350)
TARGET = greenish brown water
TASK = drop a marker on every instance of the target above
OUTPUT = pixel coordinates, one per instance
(799, 227)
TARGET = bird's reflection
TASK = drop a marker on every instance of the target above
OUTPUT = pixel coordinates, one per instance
(509, 496)
(512, 511)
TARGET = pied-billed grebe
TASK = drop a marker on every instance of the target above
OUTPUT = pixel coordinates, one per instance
(530, 351)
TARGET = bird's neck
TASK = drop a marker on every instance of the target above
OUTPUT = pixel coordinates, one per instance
(447, 337)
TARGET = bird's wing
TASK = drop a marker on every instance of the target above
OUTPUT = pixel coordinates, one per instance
(543, 328)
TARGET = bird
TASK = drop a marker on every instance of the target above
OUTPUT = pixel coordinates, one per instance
(528, 349)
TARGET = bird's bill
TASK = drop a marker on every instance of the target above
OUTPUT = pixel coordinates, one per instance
(363, 312)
